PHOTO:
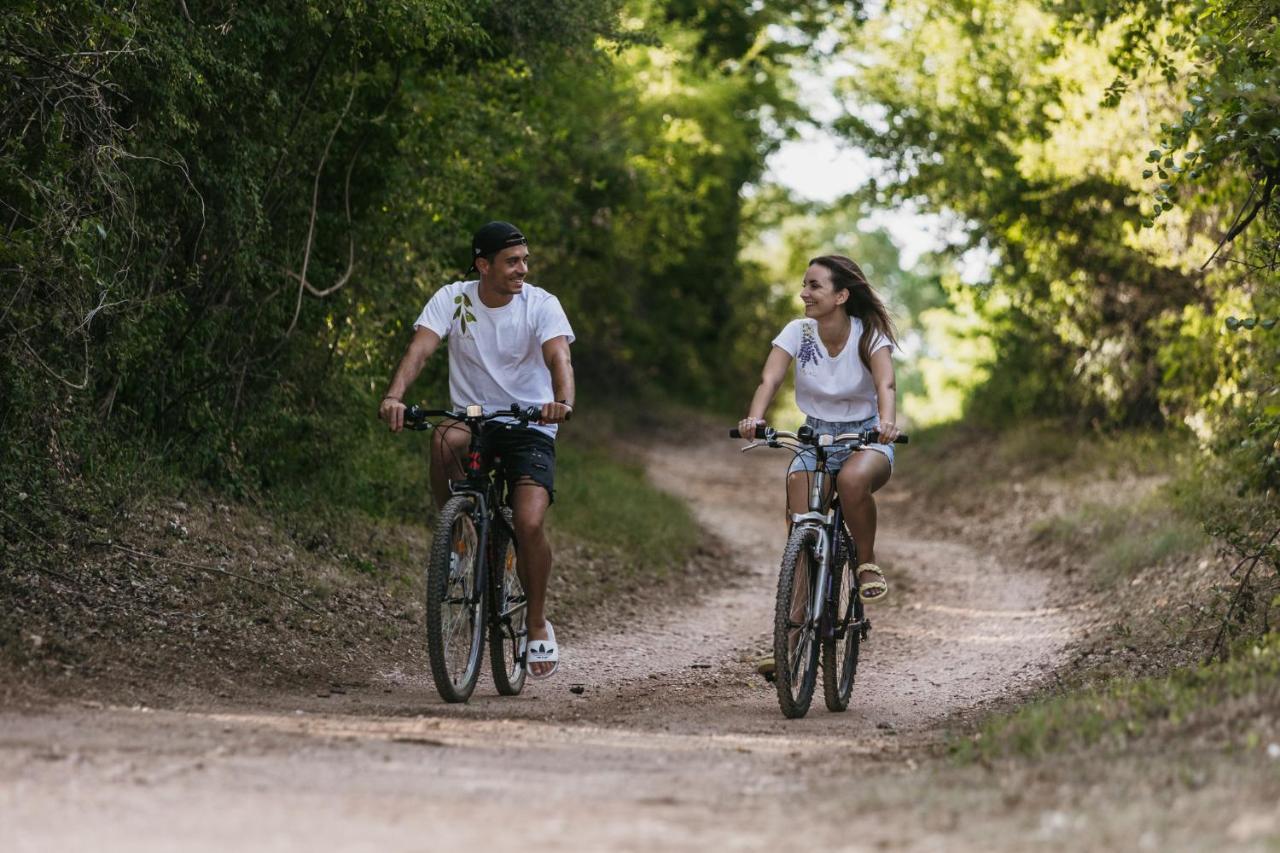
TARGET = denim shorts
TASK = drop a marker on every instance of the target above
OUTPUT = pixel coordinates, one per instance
(807, 459)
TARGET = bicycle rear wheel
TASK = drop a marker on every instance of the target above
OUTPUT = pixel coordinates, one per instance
(840, 651)
(507, 612)
(795, 636)
(455, 603)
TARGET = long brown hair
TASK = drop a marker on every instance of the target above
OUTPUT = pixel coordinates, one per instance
(862, 302)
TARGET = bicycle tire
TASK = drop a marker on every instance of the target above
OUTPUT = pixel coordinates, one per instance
(452, 603)
(506, 629)
(795, 645)
(840, 654)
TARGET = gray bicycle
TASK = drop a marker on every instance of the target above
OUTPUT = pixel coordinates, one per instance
(818, 610)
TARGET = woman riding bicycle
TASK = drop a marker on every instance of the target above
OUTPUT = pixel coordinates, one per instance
(844, 383)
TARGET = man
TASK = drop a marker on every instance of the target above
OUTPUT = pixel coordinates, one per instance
(508, 343)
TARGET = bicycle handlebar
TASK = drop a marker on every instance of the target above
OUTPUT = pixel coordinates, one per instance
(769, 434)
(415, 416)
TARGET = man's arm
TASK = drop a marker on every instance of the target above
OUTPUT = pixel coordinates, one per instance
(555, 353)
(424, 343)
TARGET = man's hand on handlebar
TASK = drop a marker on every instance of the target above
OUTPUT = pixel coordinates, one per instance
(555, 413)
(392, 411)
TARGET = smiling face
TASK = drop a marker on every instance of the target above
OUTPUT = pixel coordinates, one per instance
(819, 295)
(505, 273)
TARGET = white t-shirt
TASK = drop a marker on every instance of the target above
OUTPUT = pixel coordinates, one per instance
(831, 389)
(495, 354)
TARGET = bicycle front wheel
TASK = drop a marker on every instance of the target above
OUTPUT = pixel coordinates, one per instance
(840, 650)
(507, 611)
(795, 635)
(455, 603)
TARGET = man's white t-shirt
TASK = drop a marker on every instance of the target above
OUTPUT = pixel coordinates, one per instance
(831, 389)
(495, 354)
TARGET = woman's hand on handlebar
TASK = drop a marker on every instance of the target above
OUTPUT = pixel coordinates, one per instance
(392, 411)
(889, 432)
(747, 428)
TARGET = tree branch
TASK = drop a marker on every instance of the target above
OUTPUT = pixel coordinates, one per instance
(1240, 224)
(315, 201)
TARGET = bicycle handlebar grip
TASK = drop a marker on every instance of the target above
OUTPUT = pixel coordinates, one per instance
(760, 428)
(534, 413)
(873, 437)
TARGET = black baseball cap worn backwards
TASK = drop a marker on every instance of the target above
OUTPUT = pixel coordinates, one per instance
(494, 237)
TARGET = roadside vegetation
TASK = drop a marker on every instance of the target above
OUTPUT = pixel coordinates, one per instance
(1177, 638)
(217, 223)
(1225, 706)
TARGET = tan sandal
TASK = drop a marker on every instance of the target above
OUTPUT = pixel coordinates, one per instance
(873, 590)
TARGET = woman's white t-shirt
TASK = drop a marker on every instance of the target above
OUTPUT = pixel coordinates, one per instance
(495, 354)
(831, 389)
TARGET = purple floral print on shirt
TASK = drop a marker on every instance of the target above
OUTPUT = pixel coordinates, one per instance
(809, 353)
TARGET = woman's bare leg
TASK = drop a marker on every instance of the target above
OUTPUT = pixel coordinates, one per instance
(864, 473)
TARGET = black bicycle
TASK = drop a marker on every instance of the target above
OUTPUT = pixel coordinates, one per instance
(471, 574)
(818, 605)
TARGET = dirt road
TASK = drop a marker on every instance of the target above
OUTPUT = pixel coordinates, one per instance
(672, 743)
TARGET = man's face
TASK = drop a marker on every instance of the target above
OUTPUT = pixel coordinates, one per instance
(506, 272)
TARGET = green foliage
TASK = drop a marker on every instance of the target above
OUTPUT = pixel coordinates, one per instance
(1053, 133)
(220, 220)
(988, 114)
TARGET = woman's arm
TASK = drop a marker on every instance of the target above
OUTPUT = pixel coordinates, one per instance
(886, 393)
(775, 370)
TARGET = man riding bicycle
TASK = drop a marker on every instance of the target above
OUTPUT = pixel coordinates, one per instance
(508, 343)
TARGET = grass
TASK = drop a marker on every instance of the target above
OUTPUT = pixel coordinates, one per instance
(609, 502)
(1233, 695)
(1118, 539)
(945, 460)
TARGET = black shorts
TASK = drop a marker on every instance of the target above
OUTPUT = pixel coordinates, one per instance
(521, 454)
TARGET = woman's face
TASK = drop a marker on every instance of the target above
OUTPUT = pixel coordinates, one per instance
(819, 296)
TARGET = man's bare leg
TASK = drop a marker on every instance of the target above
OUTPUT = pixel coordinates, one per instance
(449, 443)
(529, 507)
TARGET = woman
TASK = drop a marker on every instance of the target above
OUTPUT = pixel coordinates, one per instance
(844, 383)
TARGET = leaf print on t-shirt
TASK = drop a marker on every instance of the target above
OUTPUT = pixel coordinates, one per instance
(809, 354)
(462, 313)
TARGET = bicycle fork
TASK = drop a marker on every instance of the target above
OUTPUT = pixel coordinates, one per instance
(820, 592)
(822, 522)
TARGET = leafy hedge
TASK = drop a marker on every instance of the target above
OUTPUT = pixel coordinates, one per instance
(217, 220)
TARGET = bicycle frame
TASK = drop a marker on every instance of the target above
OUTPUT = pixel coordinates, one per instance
(827, 522)
(483, 486)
